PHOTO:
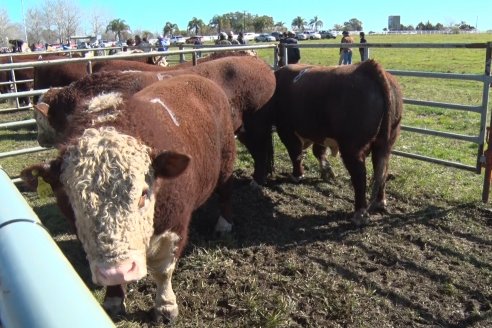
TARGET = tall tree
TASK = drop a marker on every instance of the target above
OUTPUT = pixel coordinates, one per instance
(117, 26)
(315, 23)
(34, 25)
(298, 23)
(261, 23)
(169, 28)
(98, 22)
(353, 25)
(8, 30)
(217, 22)
(195, 25)
(63, 18)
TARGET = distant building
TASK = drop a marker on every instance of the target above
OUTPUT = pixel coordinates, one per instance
(394, 23)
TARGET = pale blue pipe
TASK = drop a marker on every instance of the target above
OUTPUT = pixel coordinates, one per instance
(38, 286)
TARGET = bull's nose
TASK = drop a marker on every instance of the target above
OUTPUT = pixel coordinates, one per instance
(118, 274)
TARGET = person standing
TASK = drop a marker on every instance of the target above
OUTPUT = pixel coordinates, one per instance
(222, 41)
(241, 39)
(293, 54)
(361, 50)
(230, 37)
(346, 53)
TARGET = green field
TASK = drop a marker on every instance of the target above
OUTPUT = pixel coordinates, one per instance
(294, 259)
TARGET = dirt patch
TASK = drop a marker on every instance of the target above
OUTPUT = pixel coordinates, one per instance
(295, 260)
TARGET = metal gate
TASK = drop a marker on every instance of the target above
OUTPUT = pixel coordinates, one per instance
(483, 157)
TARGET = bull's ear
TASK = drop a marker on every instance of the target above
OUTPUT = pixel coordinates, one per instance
(170, 164)
(42, 108)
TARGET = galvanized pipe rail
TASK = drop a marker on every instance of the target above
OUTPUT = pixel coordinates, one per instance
(89, 61)
(39, 287)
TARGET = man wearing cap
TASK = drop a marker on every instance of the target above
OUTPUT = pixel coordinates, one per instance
(346, 53)
(293, 54)
(223, 40)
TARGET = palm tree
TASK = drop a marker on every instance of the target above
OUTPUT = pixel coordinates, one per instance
(195, 25)
(279, 26)
(169, 28)
(217, 22)
(117, 26)
(298, 23)
(315, 23)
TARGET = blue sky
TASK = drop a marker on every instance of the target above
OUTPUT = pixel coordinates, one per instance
(152, 15)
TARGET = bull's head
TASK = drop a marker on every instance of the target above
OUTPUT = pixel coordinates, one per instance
(110, 178)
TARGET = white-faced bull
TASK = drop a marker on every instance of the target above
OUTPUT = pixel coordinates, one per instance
(133, 179)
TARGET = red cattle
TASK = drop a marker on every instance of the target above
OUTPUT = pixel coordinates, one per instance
(62, 75)
(355, 109)
(247, 81)
(134, 177)
(24, 74)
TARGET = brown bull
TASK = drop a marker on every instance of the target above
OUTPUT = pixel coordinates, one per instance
(132, 179)
(353, 109)
(247, 81)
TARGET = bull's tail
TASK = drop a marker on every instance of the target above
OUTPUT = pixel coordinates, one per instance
(270, 162)
(390, 123)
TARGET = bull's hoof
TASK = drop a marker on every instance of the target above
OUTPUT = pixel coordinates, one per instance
(114, 306)
(378, 207)
(327, 175)
(166, 314)
(360, 218)
(223, 227)
(296, 179)
(255, 185)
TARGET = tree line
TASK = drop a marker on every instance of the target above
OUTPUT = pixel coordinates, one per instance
(54, 21)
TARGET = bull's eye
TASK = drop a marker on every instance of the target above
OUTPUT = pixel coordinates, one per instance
(141, 202)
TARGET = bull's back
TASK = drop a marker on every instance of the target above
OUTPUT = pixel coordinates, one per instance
(335, 102)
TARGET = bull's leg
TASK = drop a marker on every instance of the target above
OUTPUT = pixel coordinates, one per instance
(326, 172)
(380, 158)
(224, 224)
(295, 149)
(357, 170)
(162, 262)
(114, 300)
(256, 135)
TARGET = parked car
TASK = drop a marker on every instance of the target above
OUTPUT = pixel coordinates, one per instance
(177, 39)
(301, 36)
(312, 35)
(327, 35)
(194, 39)
(264, 37)
(249, 36)
(277, 35)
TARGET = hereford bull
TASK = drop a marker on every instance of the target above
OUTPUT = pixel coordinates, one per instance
(135, 176)
(247, 81)
(353, 109)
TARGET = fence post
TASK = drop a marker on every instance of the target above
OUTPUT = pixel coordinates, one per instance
(182, 58)
(488, 153)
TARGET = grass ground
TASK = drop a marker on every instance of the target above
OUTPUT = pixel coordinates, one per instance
(295, 260)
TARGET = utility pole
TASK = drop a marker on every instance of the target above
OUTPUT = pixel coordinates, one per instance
(244, 21)
(24, 21)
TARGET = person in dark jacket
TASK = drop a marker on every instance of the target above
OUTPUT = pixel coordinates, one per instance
(362, 40)
(241, 39)
(293, 54)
